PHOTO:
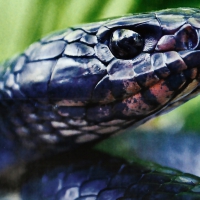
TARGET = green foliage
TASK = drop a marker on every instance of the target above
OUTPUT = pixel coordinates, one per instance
(22, 22)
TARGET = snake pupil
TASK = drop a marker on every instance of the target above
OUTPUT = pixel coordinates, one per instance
(126, 43)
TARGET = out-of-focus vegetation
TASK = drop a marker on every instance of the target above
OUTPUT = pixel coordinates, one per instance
(23, 22)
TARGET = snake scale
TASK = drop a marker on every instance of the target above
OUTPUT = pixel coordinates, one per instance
(76, 87)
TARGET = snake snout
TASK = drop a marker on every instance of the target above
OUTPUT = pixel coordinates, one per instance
(186, 38)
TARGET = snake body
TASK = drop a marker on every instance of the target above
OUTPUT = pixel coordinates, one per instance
(83, 84)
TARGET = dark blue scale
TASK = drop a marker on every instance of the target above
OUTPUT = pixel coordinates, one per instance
(60, 93)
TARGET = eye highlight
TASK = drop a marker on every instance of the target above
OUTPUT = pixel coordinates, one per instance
(125, 43)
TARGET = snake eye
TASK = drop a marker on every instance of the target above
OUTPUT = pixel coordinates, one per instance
(126, 43)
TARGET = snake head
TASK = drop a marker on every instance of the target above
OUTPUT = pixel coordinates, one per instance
(89, 81)
(152, 60)
(125, 68)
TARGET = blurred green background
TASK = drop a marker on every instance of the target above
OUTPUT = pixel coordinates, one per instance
(24, 21)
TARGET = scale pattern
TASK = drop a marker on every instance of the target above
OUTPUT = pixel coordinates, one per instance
(69, 89)
(51, 91)
(112, 179)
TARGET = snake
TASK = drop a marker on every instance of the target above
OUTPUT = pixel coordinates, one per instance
(76, 87)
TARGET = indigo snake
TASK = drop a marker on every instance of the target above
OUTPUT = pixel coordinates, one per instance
(76, 87)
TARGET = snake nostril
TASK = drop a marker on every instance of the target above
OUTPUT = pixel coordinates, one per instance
(186, 38)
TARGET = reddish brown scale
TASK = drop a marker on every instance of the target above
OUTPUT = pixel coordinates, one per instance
(126, 78)
(108, 98)
(150, 100)
(167, 42)
(161, 92)
(149, 79)
(136, 106)
(131, 87)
